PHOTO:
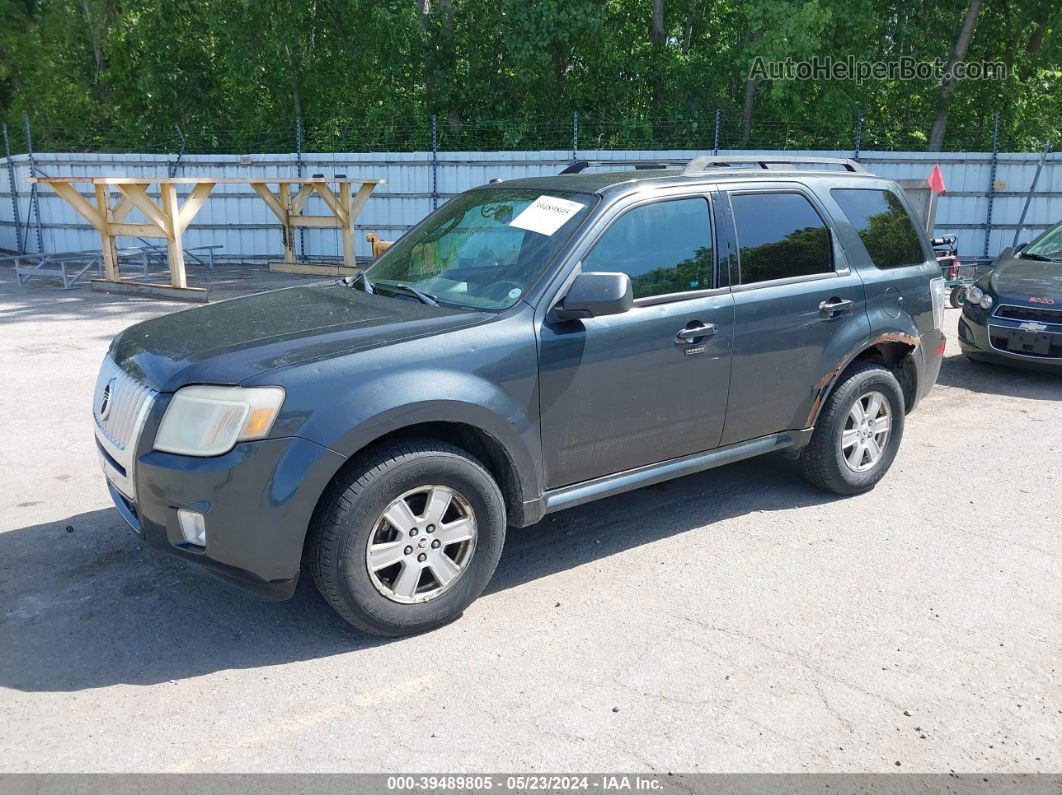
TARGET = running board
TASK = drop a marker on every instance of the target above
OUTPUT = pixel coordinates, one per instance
(589, 490)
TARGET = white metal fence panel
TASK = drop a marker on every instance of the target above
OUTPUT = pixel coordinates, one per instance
(237, 219)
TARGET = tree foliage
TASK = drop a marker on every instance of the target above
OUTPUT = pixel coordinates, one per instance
(370, 74)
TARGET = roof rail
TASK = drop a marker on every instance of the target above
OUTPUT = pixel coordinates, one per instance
(581, 165)
(709, 161)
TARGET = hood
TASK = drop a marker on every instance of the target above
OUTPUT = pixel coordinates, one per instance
(1018, 280)
(230, 341)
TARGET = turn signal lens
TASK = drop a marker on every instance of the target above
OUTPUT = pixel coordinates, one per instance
(258, 423)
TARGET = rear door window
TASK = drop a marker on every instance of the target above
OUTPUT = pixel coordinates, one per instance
(780, 236)
(665, 247)
(886, 230)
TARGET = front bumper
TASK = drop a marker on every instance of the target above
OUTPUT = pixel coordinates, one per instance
(257, 500)
(986, 337)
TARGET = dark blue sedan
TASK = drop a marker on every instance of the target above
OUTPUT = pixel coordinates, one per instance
(1013, 314)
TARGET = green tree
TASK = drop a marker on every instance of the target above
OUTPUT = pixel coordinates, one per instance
(369, 74)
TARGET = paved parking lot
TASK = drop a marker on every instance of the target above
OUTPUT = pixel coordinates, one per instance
(735, 620)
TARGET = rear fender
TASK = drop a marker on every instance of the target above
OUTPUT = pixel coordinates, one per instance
(829, 380)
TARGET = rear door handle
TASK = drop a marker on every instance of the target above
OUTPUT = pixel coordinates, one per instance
(835, 307)
(695, 331)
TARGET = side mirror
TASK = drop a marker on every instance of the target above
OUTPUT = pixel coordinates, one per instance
(595, 295)
(1007, 252)
(1020, 247)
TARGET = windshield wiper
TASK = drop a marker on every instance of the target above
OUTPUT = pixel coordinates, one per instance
(1039, 257)
(350, 281)
(423, 297)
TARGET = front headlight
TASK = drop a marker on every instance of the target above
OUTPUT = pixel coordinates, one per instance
(209, 420)
(974, 294)
(986, 301)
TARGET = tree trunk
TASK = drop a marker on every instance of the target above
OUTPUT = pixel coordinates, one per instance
(1032, 49)
(440, 59)
(751, 84)
(94, 34)
(947, 87)
(449, 58)
(750, 102)
(294, 70)
(657, 32)
(97, 30)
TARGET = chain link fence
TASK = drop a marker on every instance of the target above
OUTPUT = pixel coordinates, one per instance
(993, 193)
(722, 129)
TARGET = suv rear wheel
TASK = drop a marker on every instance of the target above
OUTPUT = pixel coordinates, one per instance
(409, 539)
(858, 432)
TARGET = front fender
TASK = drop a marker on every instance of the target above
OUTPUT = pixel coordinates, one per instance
(493, 413)
(485, 377)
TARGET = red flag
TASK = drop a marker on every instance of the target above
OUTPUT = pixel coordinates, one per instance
(936, 180)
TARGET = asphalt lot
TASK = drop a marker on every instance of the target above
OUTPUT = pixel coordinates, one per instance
(736, 620)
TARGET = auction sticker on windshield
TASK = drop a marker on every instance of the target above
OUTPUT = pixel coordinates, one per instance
(546, 214)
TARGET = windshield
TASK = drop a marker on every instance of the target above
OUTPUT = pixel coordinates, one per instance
(483, 249)
(1049, 246)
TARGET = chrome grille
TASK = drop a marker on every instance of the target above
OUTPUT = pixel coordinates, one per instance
(127, 404)
(1015, 312)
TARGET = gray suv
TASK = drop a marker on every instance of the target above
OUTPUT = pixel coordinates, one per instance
(530, 346)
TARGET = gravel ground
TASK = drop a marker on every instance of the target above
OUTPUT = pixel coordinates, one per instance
(735, 620)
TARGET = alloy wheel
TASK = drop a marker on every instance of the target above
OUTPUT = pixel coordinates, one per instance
(421, 544)
(866, 431)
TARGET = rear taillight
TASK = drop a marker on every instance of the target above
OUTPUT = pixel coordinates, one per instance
(936, 290)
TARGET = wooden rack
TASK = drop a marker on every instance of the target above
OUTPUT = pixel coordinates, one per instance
(170, 218)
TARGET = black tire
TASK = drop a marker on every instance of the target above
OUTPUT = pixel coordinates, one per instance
(822, 461)
(337, 548)
(957, 297)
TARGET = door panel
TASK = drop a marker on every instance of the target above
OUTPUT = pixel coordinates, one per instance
(621, 392)
(783, 346)
(792, 324)
(627, 390)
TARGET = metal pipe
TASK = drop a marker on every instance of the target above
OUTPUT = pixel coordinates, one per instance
(1028, 198)
(180, 154)
(992, 183)
(298, 161)
(858, 135)
(434, 162)
(14, 193)
(575, 136)
(35, 205)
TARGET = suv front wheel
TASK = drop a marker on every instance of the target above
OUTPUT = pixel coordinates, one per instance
(858, 432)
(407, 540)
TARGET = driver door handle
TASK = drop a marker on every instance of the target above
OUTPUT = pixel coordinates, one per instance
(835, 307)
(695, 331)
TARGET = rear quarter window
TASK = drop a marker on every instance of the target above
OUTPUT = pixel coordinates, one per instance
(886, 230)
